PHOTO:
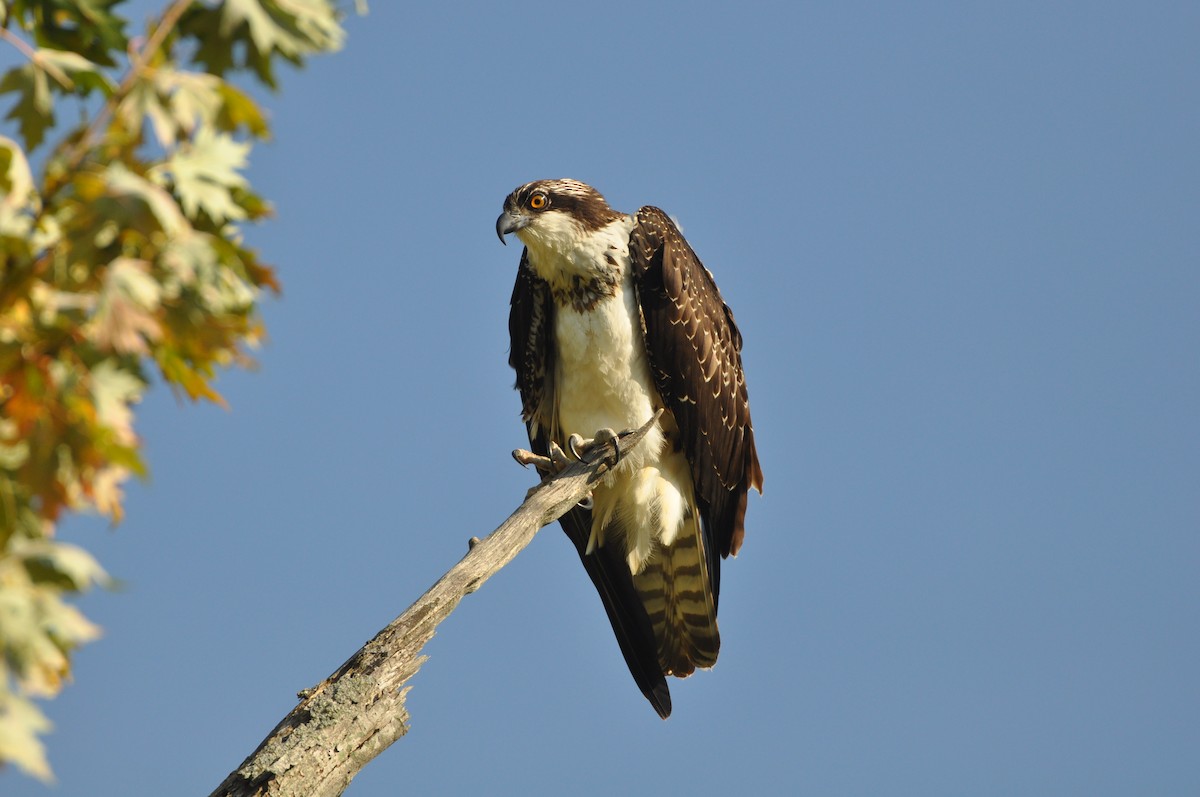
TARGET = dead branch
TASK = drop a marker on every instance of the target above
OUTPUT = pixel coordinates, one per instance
(357, 712)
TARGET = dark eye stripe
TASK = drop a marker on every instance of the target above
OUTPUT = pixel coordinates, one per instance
(577, 200)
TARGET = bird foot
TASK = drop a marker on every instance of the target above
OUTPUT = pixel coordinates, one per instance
(557, 462)
(584, 450)
(578, 449)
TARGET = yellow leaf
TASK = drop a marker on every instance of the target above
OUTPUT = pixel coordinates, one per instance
(20, 724)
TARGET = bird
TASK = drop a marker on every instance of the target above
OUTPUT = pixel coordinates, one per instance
(612, 318)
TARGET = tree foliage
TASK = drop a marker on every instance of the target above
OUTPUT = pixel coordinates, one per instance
(120, 257)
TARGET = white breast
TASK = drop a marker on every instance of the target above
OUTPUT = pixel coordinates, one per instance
(603, 375)
(603, 381)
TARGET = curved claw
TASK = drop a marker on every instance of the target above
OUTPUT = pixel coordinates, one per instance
(526, 458)
(587, 503)
(576, 445)
(603, 438)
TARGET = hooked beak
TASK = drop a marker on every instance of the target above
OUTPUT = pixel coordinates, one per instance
(510, 222)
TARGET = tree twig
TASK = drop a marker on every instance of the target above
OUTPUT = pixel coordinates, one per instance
(358, 711)
(38, 61)
(138, 59)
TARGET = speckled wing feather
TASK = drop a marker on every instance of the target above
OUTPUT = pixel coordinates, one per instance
(530, 327)
(695, 355)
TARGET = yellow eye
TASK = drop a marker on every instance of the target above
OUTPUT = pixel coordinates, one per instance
(538, 201)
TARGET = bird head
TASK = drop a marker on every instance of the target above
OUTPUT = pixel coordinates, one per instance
(553, 213)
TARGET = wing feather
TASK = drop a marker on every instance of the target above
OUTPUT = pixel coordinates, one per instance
(530, 321)
(695, 353)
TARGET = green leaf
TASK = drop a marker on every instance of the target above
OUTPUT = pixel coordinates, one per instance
(194, 380)
(180, 103)
(195, 98)
(214, 49)
(120, 183)
(239, 111)
(86, 27)
(16, 180)
(262, 30)
(50, 70)
(293, 27)
(144, 101)
(204, 172)
(34, 110)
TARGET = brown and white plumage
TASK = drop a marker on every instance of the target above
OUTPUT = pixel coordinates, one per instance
(613, 316)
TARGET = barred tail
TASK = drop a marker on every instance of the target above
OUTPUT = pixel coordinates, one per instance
(676, 590)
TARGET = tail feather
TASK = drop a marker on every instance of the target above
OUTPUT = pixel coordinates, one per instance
(675, 588)
(622, 603)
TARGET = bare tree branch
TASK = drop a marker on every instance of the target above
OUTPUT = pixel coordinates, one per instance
(356, 713)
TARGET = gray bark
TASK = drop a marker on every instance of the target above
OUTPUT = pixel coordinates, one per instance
(357, 712)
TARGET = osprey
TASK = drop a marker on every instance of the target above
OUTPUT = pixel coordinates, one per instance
(614, 317)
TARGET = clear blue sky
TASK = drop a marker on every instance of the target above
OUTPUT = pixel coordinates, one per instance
(962, 242)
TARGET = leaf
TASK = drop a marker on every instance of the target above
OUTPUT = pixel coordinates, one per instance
(121, 250)
(86, 75)
(214, 49)
(37, 626)
(205, 171)
(292, 27)
(144, 102)
(120, 183)
(16, 180)
(239, 111)
(107, 492)
(82, 26)
(34, 109)
(69, 568)
(177, 371)
(13, 456)
(20, 724)
(261, 30)
(195, 98)
(114, 389)
(125, 319)
(19, 199)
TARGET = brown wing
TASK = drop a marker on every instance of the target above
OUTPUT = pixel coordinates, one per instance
(695, 353)
(530, 322)
(530, 329)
